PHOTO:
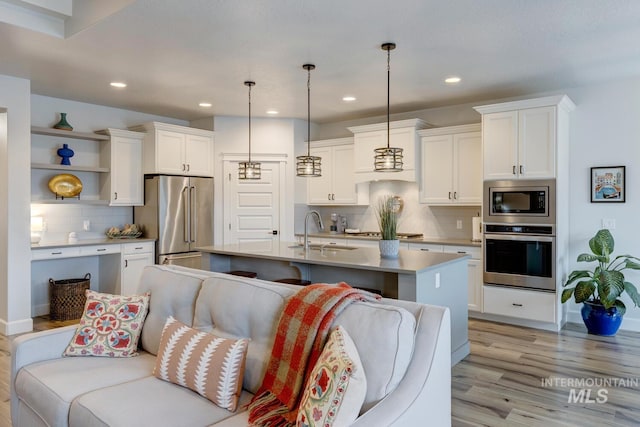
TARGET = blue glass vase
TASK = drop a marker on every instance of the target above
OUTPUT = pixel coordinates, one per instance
(66, 153)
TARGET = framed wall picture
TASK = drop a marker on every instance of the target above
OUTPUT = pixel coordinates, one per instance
(608, 184)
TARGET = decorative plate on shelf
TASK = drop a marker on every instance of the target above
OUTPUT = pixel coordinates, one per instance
(65, 185)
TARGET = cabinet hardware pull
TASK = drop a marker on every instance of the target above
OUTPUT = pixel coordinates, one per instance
(333, 197)
(516, 304)
(126, 263)
(521, 169)
(462, 252)
(188, 167)
(426, 250)
(183, 167)
(101, 250)
(56, 253)
(328, 196)
(514, 169)
(138, 248)
(455, 195)
(449, 195)
(116, 194)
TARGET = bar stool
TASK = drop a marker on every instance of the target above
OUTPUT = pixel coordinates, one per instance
(292, 281)
(249, 274)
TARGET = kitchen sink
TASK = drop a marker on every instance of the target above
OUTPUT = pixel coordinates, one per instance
(325, 247)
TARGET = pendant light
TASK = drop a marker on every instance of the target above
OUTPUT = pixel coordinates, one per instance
(308, 166)
(249, 169)
(388, 159)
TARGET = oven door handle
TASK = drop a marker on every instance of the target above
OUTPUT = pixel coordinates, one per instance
(526, 238)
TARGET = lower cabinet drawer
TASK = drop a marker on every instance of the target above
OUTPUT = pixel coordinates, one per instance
(99, 250)
(520, 303)
(54, 253)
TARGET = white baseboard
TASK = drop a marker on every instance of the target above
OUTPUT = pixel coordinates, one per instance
(16, 327)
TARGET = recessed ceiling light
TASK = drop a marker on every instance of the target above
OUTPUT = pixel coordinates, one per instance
(118, 84)
(272, 112)
(205, 104)
(348, 98)
(452, 80)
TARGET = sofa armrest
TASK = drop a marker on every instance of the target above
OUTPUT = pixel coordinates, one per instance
(37, 347)
(424, 394)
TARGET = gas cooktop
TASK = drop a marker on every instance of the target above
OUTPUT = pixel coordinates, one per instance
(377, 234)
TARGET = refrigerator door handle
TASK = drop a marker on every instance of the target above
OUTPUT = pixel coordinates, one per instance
(186, 214)
(193, 196)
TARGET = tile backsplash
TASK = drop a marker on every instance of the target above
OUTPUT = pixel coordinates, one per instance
(60, 220)
(431, 221)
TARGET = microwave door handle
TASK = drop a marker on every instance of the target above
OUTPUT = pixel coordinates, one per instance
(526, 238)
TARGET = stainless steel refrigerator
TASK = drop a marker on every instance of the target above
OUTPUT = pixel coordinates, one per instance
(178, 213)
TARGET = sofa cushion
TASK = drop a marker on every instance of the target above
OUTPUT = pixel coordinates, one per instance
(211, 366)
(237, 307)
(148, 402)
(173, 293)
(384, 336)
(336, 386)
(49, 387)
(110, 325)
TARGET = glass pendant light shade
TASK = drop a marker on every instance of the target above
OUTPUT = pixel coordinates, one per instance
(308, 166)
(249, 169)
(388, 159)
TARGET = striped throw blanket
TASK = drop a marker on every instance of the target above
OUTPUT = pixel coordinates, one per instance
(302, 331)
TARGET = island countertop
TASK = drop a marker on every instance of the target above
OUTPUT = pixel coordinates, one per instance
(357, 258)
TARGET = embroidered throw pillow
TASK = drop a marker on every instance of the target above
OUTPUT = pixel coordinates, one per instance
(110, 325)
(337, 386)
(211, 366)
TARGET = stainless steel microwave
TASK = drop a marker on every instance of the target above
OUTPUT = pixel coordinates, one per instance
(520, 201)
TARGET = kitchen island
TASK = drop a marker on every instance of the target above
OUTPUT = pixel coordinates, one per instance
(426, 277)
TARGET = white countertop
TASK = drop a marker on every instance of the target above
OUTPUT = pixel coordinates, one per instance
(408, 262)
(434, 240)
(88, 242)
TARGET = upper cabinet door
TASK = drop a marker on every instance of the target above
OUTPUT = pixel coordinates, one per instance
(500, 140)
(468, 168)
(344, 183)
(437, 169)
(126, 172)
(320, 188)
(170, 152)
(537, 142)
(198, 155)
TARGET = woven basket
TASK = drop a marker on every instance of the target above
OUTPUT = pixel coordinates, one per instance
(68, 298)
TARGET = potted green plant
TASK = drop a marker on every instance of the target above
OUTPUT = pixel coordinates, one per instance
(387, 215)
(599, 289)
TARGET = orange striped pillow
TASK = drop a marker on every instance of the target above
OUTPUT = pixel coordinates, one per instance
(211, 366)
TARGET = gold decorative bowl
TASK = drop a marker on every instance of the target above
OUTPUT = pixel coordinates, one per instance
(65, 185)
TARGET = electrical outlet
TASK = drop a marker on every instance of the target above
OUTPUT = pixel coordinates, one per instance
(609, 223)
(437, 280)
(459, 224)
(86, 225)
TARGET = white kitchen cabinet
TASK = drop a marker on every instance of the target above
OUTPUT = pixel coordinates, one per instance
(520, 139)
(474, 266)
(176, 150)
(451, 165)
(122, 186)
(134, 258)
(402, 134)
(520, 303)
(336, 185)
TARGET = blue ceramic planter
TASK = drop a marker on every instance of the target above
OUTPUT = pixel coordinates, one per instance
(599, 320)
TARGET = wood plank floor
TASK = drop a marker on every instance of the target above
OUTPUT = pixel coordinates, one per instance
(500, 382)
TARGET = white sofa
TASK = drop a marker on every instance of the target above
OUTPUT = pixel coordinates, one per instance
(404, 348)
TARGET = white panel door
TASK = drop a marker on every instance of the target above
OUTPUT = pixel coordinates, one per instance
(468, 168)
(199, 155)
(252, 211)
(500, 144)
(537, 142)
(170, 152)
(437, 169)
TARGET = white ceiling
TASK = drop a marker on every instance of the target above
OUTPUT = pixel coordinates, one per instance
(174, 54)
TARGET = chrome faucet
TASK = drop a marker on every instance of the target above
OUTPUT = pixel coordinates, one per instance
(306, 227)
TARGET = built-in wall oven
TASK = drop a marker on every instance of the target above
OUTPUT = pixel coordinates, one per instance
(519, 234)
